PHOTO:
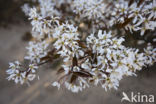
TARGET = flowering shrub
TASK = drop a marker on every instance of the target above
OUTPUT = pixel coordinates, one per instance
(84, 33)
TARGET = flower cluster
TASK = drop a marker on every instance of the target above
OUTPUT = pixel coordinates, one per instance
(86, 35)
(105, 64)
(67, 41)
(41, 25)
(17, 73)
(135, 16)
(92, 9)
(36, 51)
(47, 8)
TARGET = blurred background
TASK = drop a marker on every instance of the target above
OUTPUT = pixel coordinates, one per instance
(14, 36)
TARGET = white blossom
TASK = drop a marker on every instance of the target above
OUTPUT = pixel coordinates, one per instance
(33, 68)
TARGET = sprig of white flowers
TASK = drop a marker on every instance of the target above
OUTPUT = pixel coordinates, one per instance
(17, 73)
(95, 59)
